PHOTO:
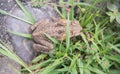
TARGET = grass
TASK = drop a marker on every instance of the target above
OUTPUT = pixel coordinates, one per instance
(95, 51)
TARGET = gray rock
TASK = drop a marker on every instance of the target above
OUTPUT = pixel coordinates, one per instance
(8, 66)
(21, 45)
(7, 6)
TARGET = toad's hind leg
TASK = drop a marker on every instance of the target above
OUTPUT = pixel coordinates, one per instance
(42, 48)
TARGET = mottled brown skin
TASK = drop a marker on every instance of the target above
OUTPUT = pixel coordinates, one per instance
(56, 29)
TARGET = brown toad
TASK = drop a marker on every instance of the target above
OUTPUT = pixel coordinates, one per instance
(56, 29)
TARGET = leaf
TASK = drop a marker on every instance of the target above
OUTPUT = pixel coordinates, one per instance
(115, 48)
(112, 16)
(114, 71)
(96, 70)
(112, 7)
(6, 13)
(52, 39)
(84, 39)
(104, 63)
(29, 36)
(66, 68)
(73, 65)
(29, 15)
(57, 10)
(39, 65)
(118, 18)
(86, 71)
(54, 72)
(80, 65)
(68, 33)
(38, 58)
(114, 57)
(51, 67)
(3, 12)
(72, 9)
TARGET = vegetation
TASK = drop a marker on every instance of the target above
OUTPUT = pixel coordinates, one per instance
(95, 51)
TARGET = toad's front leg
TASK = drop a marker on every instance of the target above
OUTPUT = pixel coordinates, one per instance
(44, 46)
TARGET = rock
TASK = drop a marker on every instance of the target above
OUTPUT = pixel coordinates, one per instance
(8, 66)
(5, 5)
(23, 46)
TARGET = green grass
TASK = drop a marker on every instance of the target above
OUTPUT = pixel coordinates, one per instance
(95, 51)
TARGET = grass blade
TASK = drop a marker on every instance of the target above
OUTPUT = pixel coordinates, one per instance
(68, 33)
(95, 70)
(52, 39)
(84, 39)
(51, 67)
(114, 57)
(114, 47)
(39, 65)
(29, 36)
(73, 65)
(6, 13)
(29, 15)
(56, 9)
(80, 65)
(38, 58)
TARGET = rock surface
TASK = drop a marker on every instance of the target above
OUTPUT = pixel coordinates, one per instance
(6, 5)
(7, 66)
(23, 46)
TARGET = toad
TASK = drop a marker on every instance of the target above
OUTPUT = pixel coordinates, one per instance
(56, 29)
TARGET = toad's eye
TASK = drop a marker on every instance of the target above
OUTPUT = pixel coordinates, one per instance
(60, 31)
(59, 24)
